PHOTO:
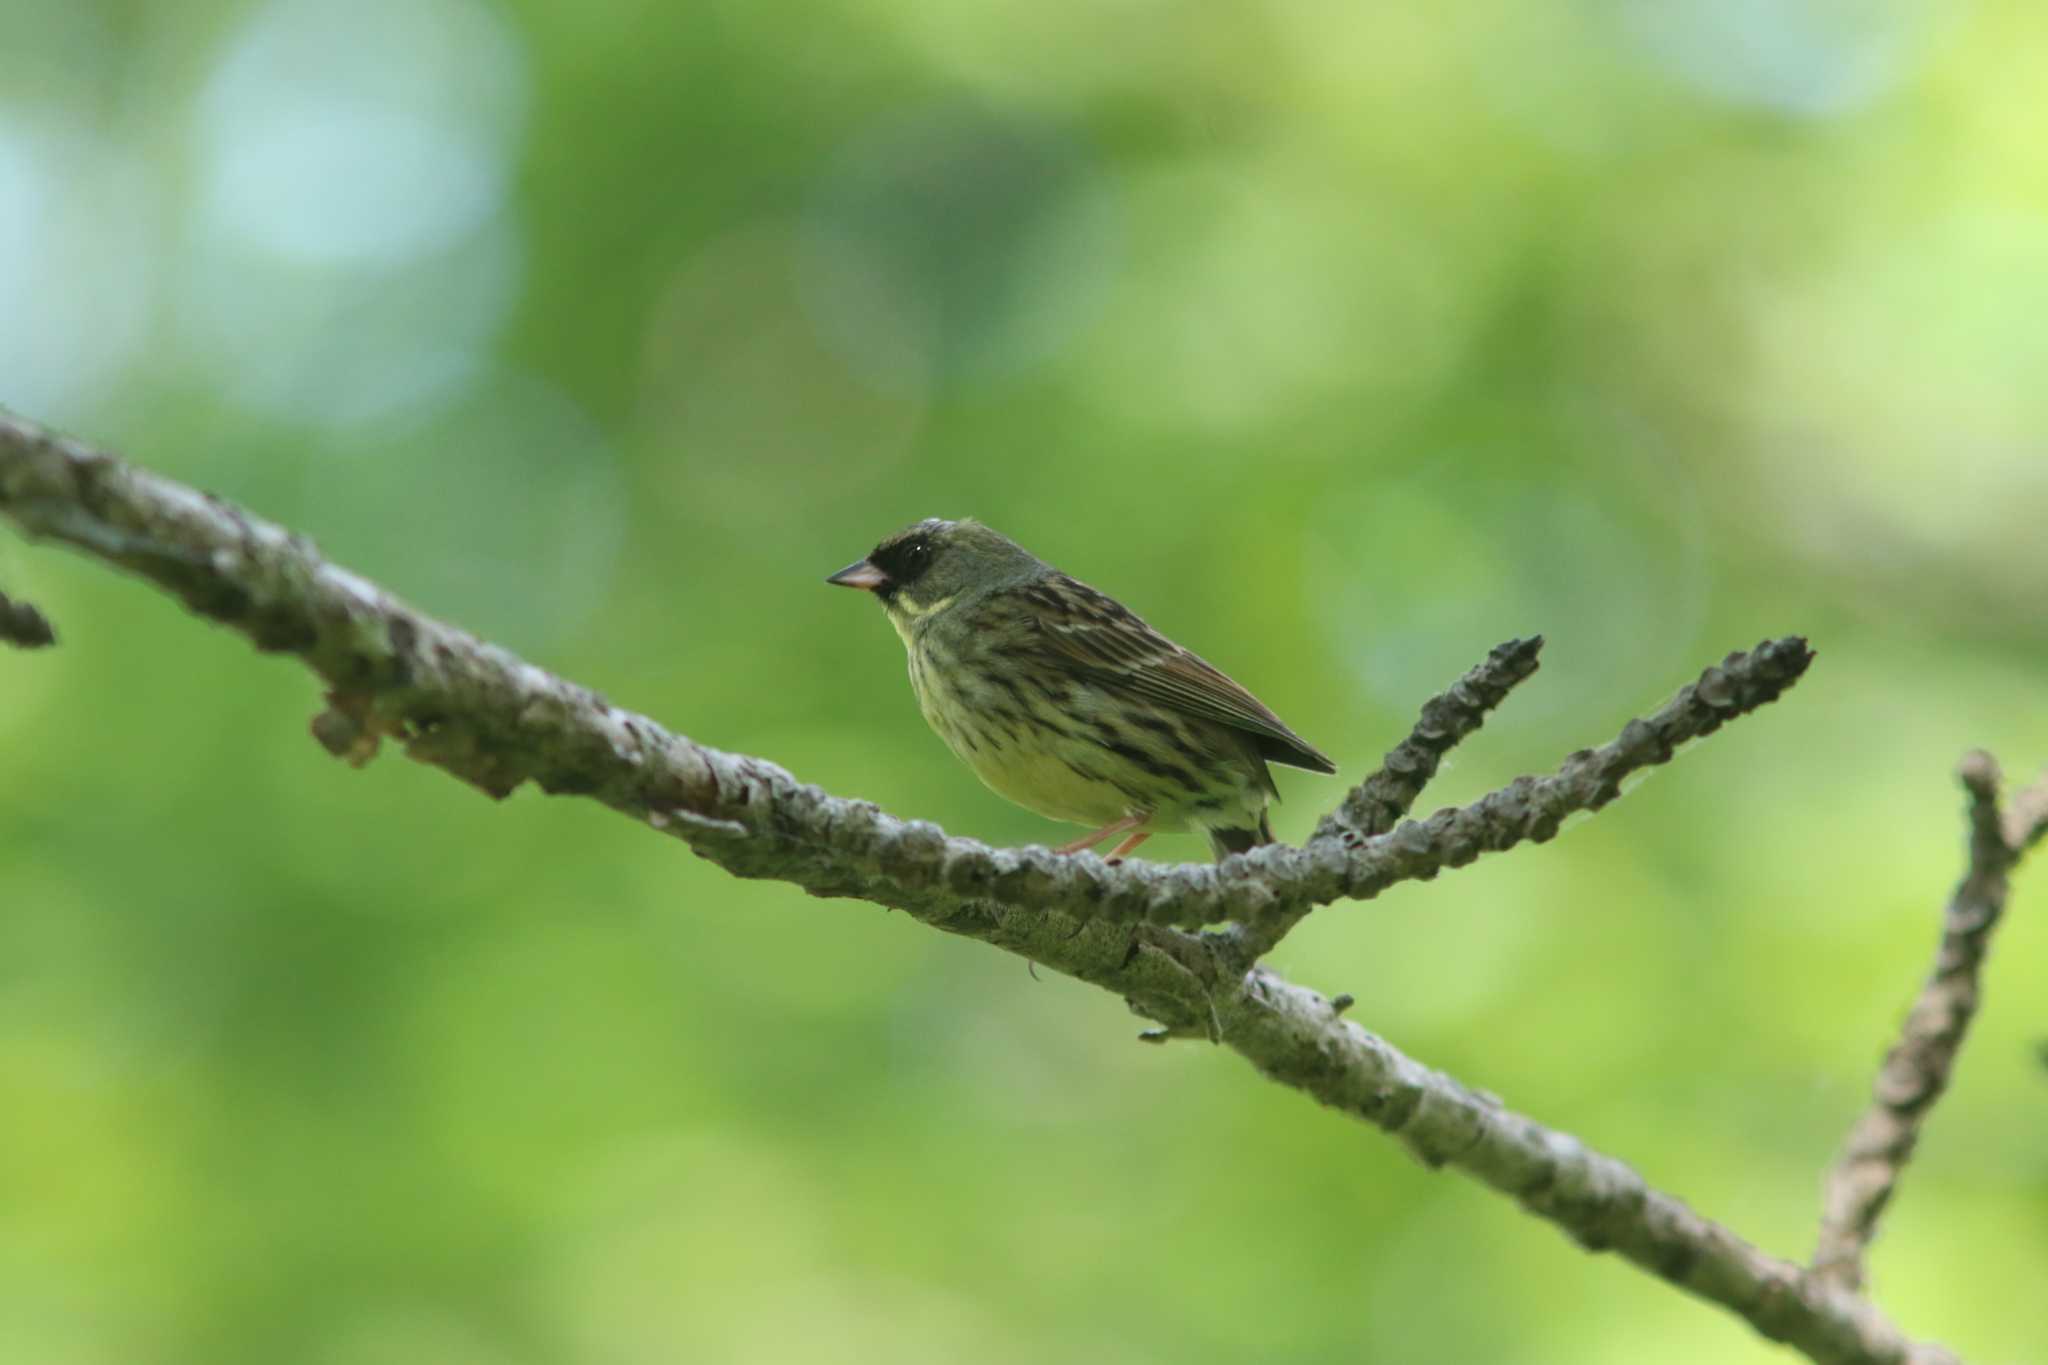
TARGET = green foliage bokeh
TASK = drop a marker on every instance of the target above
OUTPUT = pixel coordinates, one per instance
(1341, 342)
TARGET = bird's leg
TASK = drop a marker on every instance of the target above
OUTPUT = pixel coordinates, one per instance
(1088, 841)
(1117, 854)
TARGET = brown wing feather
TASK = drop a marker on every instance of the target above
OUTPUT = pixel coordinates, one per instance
(1110, 643)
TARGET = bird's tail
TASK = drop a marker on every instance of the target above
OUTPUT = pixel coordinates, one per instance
(1229, 841)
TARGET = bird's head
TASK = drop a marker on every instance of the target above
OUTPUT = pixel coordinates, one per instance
(930, 565)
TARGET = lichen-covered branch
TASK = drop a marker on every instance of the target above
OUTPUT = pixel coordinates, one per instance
(496, 721)
(2026, 815)
(1293, 1036)
(1380, 802)
(1529, 809)
(1916, 1070)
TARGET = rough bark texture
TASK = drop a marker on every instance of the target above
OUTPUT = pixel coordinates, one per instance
(1364, 846)
(1916, 1070)
(1375, 806)
(495, 721)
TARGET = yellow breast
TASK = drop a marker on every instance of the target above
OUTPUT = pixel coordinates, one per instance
(1044, 768)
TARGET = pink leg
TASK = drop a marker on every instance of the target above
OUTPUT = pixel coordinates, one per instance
(1088, 841)
(1117, 855)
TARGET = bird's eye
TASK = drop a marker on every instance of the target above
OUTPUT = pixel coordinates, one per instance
(904, 560)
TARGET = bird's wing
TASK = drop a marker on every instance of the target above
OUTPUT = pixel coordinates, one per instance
(1109, 643)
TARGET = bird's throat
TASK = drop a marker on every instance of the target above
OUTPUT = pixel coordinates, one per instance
(907, 615)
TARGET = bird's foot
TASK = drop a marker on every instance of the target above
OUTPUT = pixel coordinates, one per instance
(1088, 841)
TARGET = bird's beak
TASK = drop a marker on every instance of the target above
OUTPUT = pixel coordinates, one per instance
(860, 574)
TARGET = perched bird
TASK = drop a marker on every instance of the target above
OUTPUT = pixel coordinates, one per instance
(1065, 702)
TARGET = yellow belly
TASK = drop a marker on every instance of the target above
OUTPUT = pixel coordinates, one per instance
(1057, 771)
(1041, 780)
(1020, 761)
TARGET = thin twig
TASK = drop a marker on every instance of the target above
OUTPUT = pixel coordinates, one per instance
(1377, 804)
(1529, 809)
(496, 721)
(2026, 815)
(1916, 1069)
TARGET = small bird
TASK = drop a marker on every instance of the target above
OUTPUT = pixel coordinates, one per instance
(1064, 701)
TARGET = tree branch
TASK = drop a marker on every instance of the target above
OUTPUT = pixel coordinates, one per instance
(1377, 804)
(2026, 816)
(1916, 1070)
(1529, 808)
(496, 721)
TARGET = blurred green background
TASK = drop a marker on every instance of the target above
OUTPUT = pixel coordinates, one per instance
(1342, 341)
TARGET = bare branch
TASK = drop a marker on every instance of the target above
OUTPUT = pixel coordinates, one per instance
(2026, 816)
(1529, 809)
(1295, 1038)
(1916, 1070)
(1377, 804)
(23, 626)
(495, 721)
